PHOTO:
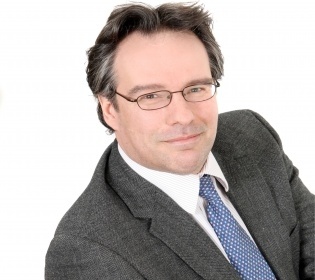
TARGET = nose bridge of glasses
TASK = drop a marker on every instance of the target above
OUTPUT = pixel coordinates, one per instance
(177, 91)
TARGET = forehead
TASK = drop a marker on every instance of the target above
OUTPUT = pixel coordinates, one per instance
(160, 58)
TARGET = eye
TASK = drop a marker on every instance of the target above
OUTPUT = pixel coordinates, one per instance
(150, 96)
(196, 89)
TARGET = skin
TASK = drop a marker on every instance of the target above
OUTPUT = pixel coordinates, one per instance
(179, 137)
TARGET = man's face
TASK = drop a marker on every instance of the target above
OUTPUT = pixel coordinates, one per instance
(176, 138)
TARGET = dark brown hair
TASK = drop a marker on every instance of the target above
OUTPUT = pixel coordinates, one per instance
(128, 18)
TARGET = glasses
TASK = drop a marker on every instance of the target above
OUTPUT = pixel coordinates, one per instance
(160, 99)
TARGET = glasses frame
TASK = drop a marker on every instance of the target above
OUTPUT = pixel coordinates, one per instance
(216, 84)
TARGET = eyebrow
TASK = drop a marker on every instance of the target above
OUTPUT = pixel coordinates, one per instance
(149, 87)
(156, 87)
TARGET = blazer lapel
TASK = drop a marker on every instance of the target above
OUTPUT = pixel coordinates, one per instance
(169, 222)
(181, 234)
(254, 202)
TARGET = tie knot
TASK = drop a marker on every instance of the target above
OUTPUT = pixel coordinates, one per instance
(207, 190)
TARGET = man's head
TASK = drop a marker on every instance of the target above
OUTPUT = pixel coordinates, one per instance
(143, 50)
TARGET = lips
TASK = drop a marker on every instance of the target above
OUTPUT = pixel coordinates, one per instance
(183, 138)
(180, 134)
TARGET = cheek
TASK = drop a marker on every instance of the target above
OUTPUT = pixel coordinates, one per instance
(212, 112)
(214, 118)
(144, 122)
(138, 128)
(208, 114)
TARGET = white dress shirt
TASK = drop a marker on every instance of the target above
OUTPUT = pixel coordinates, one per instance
(184, 190)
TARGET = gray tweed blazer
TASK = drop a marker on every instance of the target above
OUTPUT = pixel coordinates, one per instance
(123, 227)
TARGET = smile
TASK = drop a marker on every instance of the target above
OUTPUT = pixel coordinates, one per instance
(184, 140)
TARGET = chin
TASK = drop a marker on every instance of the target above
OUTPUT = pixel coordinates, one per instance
(191, 163)
(184, 171)
(193, 168)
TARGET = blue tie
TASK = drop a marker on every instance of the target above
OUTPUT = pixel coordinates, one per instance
(240, 249)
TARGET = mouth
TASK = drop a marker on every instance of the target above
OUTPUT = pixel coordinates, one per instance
(184, 140)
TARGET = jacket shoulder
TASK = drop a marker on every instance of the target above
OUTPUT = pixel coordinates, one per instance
(95, 204)
(244, 131)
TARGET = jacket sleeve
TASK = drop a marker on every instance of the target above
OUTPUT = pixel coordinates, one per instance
(75, 258)
(305, 211)
(304, 202)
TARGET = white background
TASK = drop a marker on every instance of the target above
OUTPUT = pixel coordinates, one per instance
(51, 140)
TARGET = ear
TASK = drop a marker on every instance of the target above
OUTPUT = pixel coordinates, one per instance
(109, 112)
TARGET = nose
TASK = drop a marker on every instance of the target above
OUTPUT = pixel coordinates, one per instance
(179, 110)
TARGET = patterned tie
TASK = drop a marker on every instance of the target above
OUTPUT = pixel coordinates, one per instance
(240, 249)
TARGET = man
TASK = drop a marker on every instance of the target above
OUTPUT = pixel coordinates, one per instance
(149, 211)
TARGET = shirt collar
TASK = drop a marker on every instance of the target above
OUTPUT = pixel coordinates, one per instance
(212, 168)
(183, 189)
